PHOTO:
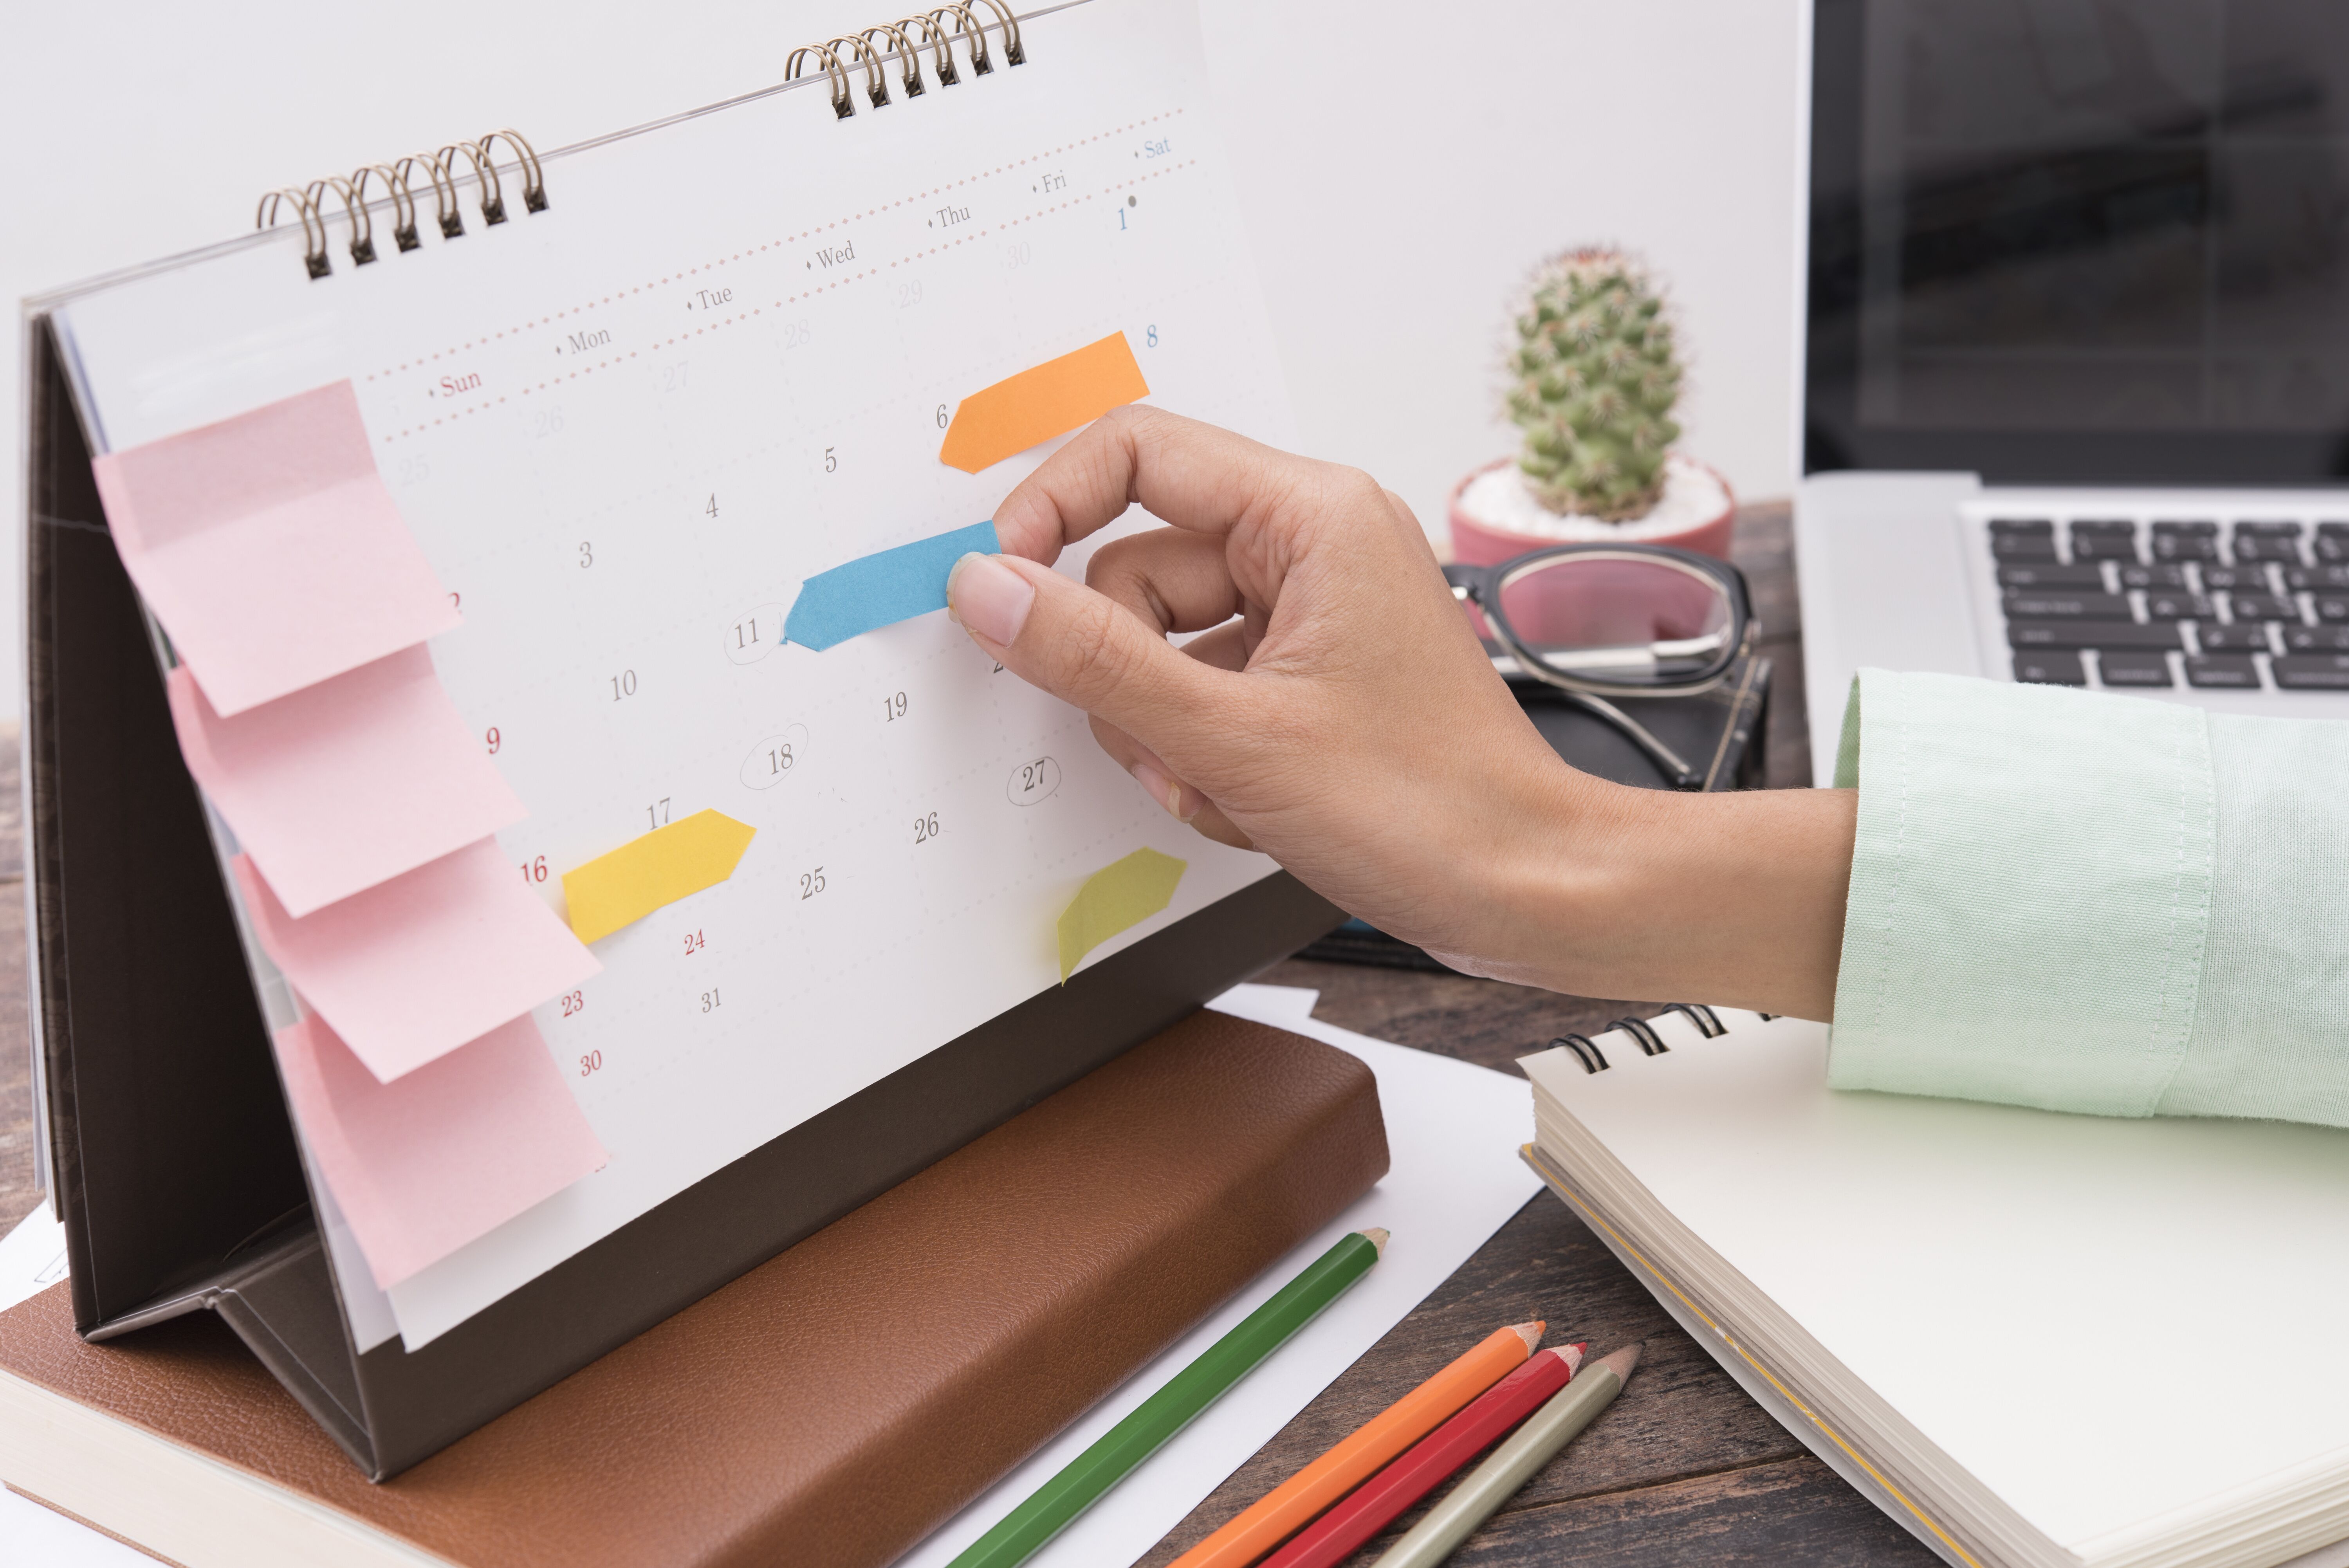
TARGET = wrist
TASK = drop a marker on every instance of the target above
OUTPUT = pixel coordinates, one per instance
(1554, 875)
(1646, 895)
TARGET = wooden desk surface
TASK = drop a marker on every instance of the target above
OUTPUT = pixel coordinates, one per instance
(1684, 1469)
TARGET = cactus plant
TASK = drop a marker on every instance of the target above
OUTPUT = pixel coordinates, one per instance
(1594, 379)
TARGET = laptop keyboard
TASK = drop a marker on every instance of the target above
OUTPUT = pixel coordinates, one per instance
(2249, 605)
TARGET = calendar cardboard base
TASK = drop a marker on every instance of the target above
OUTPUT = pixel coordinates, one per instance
(172, 1157)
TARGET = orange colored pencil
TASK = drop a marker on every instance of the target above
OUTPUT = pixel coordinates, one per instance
(1294, 1502)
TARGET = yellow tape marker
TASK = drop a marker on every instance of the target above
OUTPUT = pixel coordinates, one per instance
(1036, 405)
(664, 866)
(1121, 894)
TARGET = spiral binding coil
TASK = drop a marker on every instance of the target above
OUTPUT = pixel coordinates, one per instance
(845, 57)
(1708, 1023)
(842, 59)
(1650, 1044)
(1643, 1034)
(308, 204)
(1585, 1051)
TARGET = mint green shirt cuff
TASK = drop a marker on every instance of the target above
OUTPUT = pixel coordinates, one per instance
(2082, 901)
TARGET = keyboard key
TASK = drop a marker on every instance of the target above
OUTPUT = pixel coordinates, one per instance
(2316, 639)
(2222, 671)
(2036, 575)
(2284, 550)
(2022, 547)
(2068, 607)
(2039, 634)
(2177, 607)
(2104, 541)
(2185, 541)
(2331, 541)
(2050, 668)
(2266, 536)
(2245, 579)
(2332, 608)
(2119, 669)
(2265, 607)
(2317, 577)
(2134, 577)
(2312, 671)
(2251, 638)
(2039, 525)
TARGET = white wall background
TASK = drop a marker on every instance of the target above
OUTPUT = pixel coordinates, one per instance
(1398, 179)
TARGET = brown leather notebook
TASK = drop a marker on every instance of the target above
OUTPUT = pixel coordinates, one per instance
(831, 1406)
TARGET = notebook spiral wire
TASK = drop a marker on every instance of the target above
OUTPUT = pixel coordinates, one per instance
(310, 205)
(1643, 1032)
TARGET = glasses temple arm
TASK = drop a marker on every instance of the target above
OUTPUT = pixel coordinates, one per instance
(1663, 756)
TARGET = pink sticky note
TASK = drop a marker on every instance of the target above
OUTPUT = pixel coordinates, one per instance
(346, 783)
(413, 968)
(449, 1153)
(269, 549)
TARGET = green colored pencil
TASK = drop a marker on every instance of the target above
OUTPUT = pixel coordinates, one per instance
(1055, 1505)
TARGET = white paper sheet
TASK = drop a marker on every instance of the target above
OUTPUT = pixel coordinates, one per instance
(1285, 1005)
(1453, 1130)
(32, 1257)
(31, 1535)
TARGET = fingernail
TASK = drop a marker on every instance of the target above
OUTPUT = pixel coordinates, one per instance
(1166, 792)
(990, 598)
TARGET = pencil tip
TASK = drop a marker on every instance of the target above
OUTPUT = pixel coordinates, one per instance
(1376, 1236)
(1621, 1362)
(1530, 1333)
(1572, 1354)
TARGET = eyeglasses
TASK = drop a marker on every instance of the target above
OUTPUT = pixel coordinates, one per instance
(1600, 621)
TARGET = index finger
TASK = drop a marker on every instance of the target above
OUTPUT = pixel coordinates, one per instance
(1187, 473)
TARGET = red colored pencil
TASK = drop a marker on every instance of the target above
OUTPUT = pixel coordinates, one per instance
(1426, 1464)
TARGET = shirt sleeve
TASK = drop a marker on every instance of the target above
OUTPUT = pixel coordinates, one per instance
(2084, 902)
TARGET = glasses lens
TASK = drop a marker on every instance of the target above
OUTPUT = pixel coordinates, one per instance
(1621, 620)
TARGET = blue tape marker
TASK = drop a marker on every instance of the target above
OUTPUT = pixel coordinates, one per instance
(882, 589)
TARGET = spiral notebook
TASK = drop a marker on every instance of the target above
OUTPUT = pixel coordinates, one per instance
(605, 846)
(2031, 1338)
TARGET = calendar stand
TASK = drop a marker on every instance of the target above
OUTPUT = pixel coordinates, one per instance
(173, 1162)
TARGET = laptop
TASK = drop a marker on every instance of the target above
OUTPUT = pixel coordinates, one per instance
(2077, 383)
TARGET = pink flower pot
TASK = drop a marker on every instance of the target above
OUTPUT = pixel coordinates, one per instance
(1483, 545)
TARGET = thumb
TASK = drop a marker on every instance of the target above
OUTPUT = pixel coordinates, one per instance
(1091, 653)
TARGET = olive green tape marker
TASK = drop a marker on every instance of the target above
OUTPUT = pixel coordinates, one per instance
(1121, 895)
(1055, 1505)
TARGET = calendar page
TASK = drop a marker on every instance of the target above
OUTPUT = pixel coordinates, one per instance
(626, 428)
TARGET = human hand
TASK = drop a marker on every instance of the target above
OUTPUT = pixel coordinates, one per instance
(1347, 722)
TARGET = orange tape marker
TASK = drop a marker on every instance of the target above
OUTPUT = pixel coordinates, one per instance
(1036, 405)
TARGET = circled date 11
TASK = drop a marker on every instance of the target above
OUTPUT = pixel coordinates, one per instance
(754, 634)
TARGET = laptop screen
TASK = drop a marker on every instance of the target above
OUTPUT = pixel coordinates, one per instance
(2101, 240)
